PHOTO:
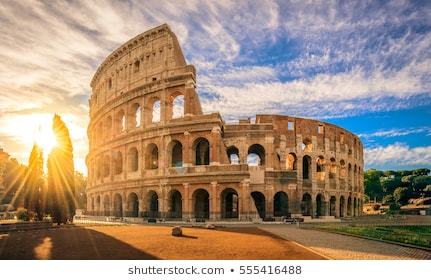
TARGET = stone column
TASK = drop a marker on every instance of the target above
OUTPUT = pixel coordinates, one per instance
(186, 207)
(187, 161)
(244, 212)
(214, 213)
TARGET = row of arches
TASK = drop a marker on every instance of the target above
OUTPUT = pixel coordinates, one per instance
(229, 205)
(134, 118)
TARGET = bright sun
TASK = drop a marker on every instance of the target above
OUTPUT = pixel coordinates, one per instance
(45, 138)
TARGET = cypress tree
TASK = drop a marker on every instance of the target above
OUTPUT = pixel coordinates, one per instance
(34, 185)
(61, 185)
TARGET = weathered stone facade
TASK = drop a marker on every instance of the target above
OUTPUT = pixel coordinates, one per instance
(154, 153)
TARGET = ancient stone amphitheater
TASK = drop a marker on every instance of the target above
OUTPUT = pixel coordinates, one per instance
(155, 154)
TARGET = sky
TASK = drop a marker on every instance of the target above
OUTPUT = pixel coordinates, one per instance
(362, 65)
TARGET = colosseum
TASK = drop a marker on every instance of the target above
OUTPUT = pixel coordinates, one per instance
(154, 154)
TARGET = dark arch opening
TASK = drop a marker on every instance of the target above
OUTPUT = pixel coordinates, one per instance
(332, 209)
(259, 202)
(342, 206)
(306, 205)
(175, 205)
(202, 204)
(153, 204)
(281, 204)
(256, 155)
(233, 155)
(176, 154)
(202, 152)
(306, 167)
(320, 205)
(133, 205)
(229, 204)
(118, 206)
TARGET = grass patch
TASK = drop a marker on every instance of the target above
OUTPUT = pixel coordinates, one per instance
(414, 235)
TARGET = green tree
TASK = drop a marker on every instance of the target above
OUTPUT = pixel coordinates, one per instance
(372, 184)
(61, 180)
(421, 171)
(389, 184)
(80, 187)
(419, 183)
(35, 183)
(401, 195)
(427, 190)
(388, 199)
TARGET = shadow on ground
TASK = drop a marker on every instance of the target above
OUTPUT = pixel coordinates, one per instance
(67, 243)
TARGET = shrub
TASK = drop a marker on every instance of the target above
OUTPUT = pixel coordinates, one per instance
(376, 207)
(22, 214)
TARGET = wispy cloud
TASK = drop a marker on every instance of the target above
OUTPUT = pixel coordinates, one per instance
(314, 59)
(396, 132)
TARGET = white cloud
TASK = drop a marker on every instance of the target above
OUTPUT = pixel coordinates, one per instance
(398, 155)
(396, 132)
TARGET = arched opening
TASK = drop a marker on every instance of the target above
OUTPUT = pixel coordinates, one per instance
(135, 115)
(118, 206)
(233, 155)
(259, 202)
(120, 121)
(106, 206)
(201, 204)
(229, 204)
(98, 206)
(281, 205)
(291, 162)
(136, 66)
(349, 207)
(155, 116)
(176, 154)
(202, 151)
(320, 206)
(175, 210)
(106, 166)
(320, 164)
(342, 206)
(256, 155)
(133, 156)
(306, 167)
(342, 169)
(153, 204)
(355, 207)
(108, 127)
(333, 169)
(307, 145)
(332, 209)
(152, 157)
(118, 162)
(306, 205)
(178, 107)
(132, 205)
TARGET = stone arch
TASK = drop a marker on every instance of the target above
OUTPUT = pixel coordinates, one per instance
(98, 205)
(233, 155)
(135, 117)
(349, 206)
(281, 204)
(332, 206)
(342, 169)
(117, 159)
(132, 205)
(256, 155)
(106, 165)
(108, 127)
(320, 205)
(320, 164)
(291, 162)
(259, 202)
(306, 205)
(156, 111)
(201, 204)
(201, 148)
(307, 145)
(175, 204)
(118, 205)
(342, 206)
(120, 121)
(106, 205)
(332, 169)
(355, 207)
(133, 156)
(152, 204)
(177, 106)
(229, 204)
(306, 167)
(152, 156)
(175, 153)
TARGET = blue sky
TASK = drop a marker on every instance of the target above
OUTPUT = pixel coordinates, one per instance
(363, 65)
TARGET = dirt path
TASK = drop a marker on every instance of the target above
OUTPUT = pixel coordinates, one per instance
(148, 242)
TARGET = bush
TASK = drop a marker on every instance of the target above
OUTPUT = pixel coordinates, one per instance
(22, 214)
(376, 207)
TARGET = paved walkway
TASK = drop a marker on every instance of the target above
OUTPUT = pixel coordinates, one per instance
(341, 247)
